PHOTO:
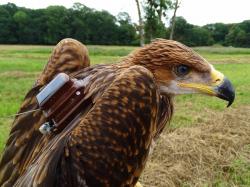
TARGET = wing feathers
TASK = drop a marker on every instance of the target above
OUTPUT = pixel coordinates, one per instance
(25, 141)
(68, 56)
(111, 143)
(107, 146)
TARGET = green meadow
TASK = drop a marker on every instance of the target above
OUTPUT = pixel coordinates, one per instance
(20, 65)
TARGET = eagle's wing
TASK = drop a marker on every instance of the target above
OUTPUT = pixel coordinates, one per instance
(68, 56)
(108, 145)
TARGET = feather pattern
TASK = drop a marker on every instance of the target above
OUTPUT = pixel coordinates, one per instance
(25, 141)
(108, 143)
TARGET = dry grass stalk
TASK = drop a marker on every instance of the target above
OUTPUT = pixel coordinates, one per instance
(194, 156)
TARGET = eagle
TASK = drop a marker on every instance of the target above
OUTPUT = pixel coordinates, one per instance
(129, 104)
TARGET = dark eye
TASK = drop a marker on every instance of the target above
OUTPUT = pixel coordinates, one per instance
(182, 70)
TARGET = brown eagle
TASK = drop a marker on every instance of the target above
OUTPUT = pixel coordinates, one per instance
(130, 104)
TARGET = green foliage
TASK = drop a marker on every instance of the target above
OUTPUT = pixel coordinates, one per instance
(7, 24)
(218, 31)
(239, 35)
(20, 17)
(199, 36)
(154, 12)
(159, 7)
(126, 32)
(57, 24)
(50, 25)
(191, 35)
(104, 25)
(79, 13)
(20, 25)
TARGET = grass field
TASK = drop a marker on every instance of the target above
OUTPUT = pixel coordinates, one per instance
(20, 65)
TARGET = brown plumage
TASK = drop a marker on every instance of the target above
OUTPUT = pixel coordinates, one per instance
(108, 145)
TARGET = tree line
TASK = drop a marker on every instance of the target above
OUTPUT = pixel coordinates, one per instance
(237, 34)
(19, 25)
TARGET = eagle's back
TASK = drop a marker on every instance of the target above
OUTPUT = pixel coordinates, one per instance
(107, 145)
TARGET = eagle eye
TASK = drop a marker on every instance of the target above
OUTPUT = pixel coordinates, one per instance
(182, 70)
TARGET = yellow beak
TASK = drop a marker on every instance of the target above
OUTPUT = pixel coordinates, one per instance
(220, 87)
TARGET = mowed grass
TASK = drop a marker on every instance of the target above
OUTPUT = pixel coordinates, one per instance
(218, 54)
(20, 65)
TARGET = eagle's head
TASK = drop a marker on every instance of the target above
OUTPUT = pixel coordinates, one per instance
(180, 70)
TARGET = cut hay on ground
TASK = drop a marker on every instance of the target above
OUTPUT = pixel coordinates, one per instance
(195, 156)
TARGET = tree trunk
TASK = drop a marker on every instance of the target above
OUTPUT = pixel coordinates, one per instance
(162, 2)
(141, 29)
(173, 20)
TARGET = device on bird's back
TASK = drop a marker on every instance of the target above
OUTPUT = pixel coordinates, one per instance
(60, 100)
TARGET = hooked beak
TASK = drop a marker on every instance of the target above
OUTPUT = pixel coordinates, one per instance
(225, 91)
(222, 87)
(219, 86)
